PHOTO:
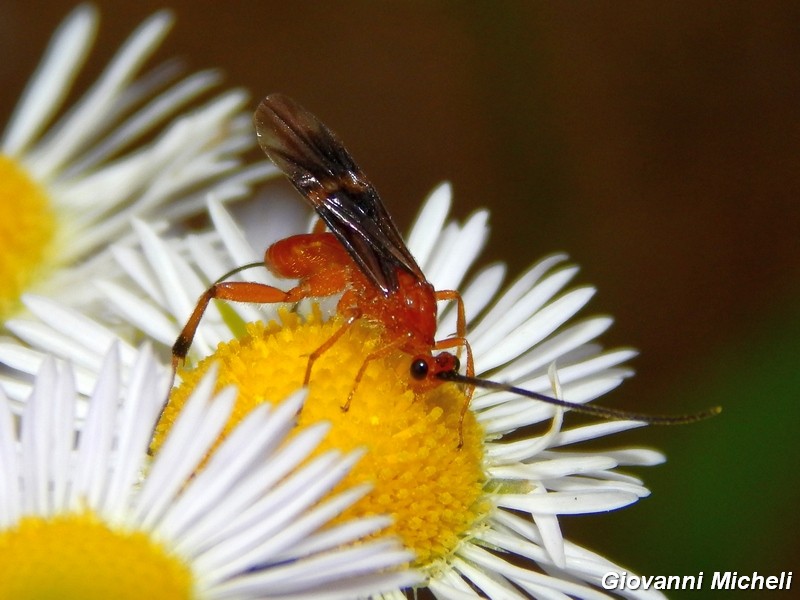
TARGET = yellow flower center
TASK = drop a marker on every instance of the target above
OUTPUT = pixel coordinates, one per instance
(430, 486)
(79, 557)
(27, 229)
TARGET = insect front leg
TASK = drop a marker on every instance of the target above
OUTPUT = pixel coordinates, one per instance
(234, 291)
(461, 316)
(319, 226)
(379, 353)
(459, 342)
(312, 358)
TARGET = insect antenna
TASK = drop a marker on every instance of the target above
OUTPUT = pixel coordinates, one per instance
(589, 409)
(238, 269)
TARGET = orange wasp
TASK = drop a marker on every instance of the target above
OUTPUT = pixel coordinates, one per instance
(363, 258)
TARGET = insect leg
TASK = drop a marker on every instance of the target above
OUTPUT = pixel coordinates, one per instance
(235, 291)
(351, 318)
(379, 353)
(461, 318)
(459, 342)
(319, 226)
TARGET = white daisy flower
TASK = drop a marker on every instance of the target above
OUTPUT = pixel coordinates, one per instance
(472, 515)
(70, 187)
(86, 513)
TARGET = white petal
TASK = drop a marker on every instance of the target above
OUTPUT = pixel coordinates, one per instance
(76, 326)
(445, 587)
(10, 506)
(587, 485)
(200, 421)
(95, 443)
(138, 124)
(274, 513)
(448, 266)
(142, 315)
(514, 293)
(559, 348)
(227, 465)
(532, 331)
(594, 431)
(334, 537)
(232, 236)
(147, 388)
(476, 296)
(429, 223)
(572, 503)
(37, 439)
(83, 118)
(135, 265)
(164, 264)
(550, 530)
(345, 584)
(41, 335)
(52, 81)
(209, 528)
(487, 581)
(554, 468)
(527, 577)
(63, 434)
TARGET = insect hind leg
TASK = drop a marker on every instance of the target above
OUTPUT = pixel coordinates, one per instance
(233, 291)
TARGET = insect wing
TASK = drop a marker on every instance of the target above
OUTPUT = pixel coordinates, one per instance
(322, 170)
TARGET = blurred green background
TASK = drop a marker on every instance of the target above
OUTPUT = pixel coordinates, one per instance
(657, 142)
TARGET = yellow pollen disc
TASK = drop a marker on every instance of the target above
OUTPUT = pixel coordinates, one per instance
(27, 229)
(431, 488)
(78, 557)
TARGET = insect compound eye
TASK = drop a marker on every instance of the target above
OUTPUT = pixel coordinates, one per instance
(419, 368)
(456, 364)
